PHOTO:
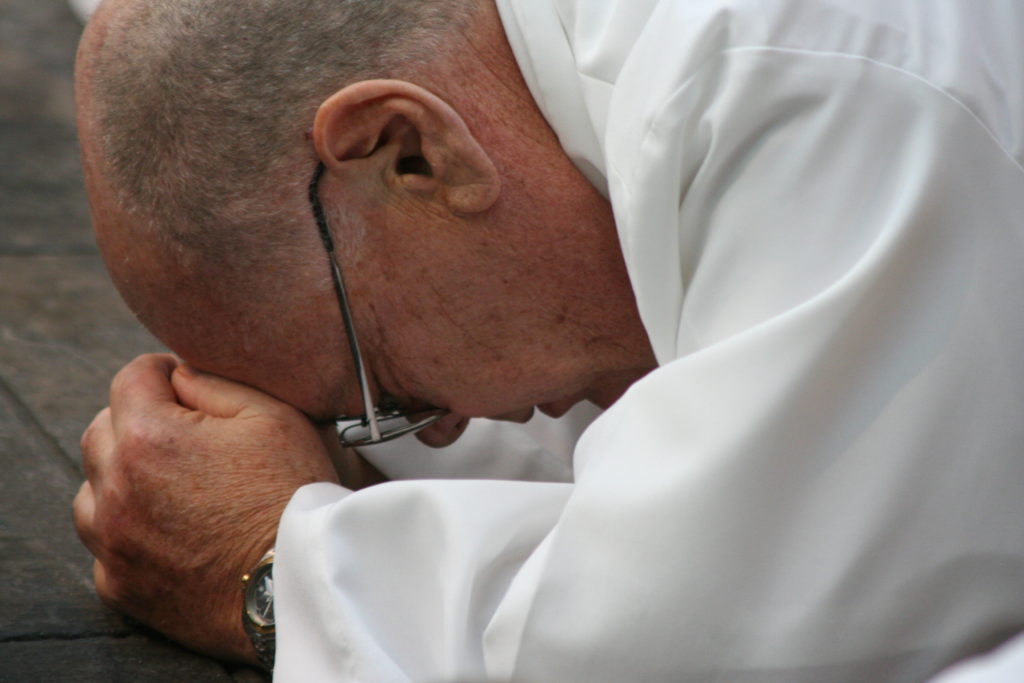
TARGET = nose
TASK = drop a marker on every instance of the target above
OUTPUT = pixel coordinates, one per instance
(557, 409)
(521, 416)
(444, 432)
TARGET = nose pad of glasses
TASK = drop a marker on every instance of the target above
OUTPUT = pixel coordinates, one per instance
(358, 432)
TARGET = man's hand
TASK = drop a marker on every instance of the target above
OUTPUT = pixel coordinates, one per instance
(187, 477)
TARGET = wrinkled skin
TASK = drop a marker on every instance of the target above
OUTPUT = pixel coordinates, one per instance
(188, 474)
(168, 425)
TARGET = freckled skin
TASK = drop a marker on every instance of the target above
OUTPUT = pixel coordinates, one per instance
(492, 285)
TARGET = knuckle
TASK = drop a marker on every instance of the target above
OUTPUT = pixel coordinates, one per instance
(90, 433)
(83, 500)
(122, 378)
(140, 436)
(110, 540)
(81, 514)
(130, 373)
(108, 586)
(84, 531)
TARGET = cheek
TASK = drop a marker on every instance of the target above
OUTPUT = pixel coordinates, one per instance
(437, 333)
(468, 379)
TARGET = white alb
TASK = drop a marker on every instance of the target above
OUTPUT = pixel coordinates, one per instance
(821, 205)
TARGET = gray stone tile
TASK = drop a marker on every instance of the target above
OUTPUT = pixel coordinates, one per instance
(104, 660)
(247, 675)
(52, 625)
(46, 597)
(47, 573)
(64, 332)
(46, 31)
(42, 203)
(41, 209)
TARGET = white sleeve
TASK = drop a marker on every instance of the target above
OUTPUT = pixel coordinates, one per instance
(486, 528)
(825, 487)
(1004, 665)
(399, 582)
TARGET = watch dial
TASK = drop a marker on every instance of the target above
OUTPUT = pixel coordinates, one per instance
(260, 602)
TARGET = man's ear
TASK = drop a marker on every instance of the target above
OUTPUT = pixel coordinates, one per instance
(419, 142)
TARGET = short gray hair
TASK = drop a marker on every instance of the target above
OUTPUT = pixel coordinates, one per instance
(205, 105)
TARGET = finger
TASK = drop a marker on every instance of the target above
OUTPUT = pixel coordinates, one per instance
(142, 387)
(83, 510)
(557, 409)
(353, 471)
(328, 434)
(521, 416)
(220, 397)
(104, 584)
(444, 432)
(114, 588)
(97, 445)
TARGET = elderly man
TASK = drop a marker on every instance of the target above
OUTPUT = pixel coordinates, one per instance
(779, 245)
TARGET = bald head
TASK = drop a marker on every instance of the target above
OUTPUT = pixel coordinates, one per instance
(202, 123)
(195, 119)
(203, 108)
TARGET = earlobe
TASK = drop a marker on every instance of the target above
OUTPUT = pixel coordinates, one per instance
(423, 145)
(470, 182)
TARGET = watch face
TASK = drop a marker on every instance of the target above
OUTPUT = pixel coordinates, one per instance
(259, 596)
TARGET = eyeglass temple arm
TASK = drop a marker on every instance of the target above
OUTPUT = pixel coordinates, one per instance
(346, 314)
(357, 356)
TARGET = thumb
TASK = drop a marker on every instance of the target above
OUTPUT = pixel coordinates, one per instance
(218, 397)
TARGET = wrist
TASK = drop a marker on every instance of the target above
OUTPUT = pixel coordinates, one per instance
(233, 642)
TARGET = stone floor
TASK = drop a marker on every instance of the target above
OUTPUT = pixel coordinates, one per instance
(63, 333)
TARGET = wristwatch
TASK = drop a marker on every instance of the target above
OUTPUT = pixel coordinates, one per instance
(258, 608)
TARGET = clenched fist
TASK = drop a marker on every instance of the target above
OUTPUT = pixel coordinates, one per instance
(187, 477)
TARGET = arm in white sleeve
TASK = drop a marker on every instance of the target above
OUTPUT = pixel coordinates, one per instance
(821, 483)
(1004, 665)
(398, 582)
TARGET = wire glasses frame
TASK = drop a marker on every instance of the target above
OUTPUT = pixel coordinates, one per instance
(379, 423)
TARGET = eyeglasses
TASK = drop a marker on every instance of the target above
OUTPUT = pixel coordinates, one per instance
(385, 421)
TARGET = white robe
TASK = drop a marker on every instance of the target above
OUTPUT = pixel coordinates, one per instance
(821, 206)
(1004, 665)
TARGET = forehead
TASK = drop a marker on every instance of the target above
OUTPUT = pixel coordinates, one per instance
(283, 346)
(272, 329)
(269, 327)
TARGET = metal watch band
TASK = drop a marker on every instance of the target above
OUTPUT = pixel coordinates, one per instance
(265, 647)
